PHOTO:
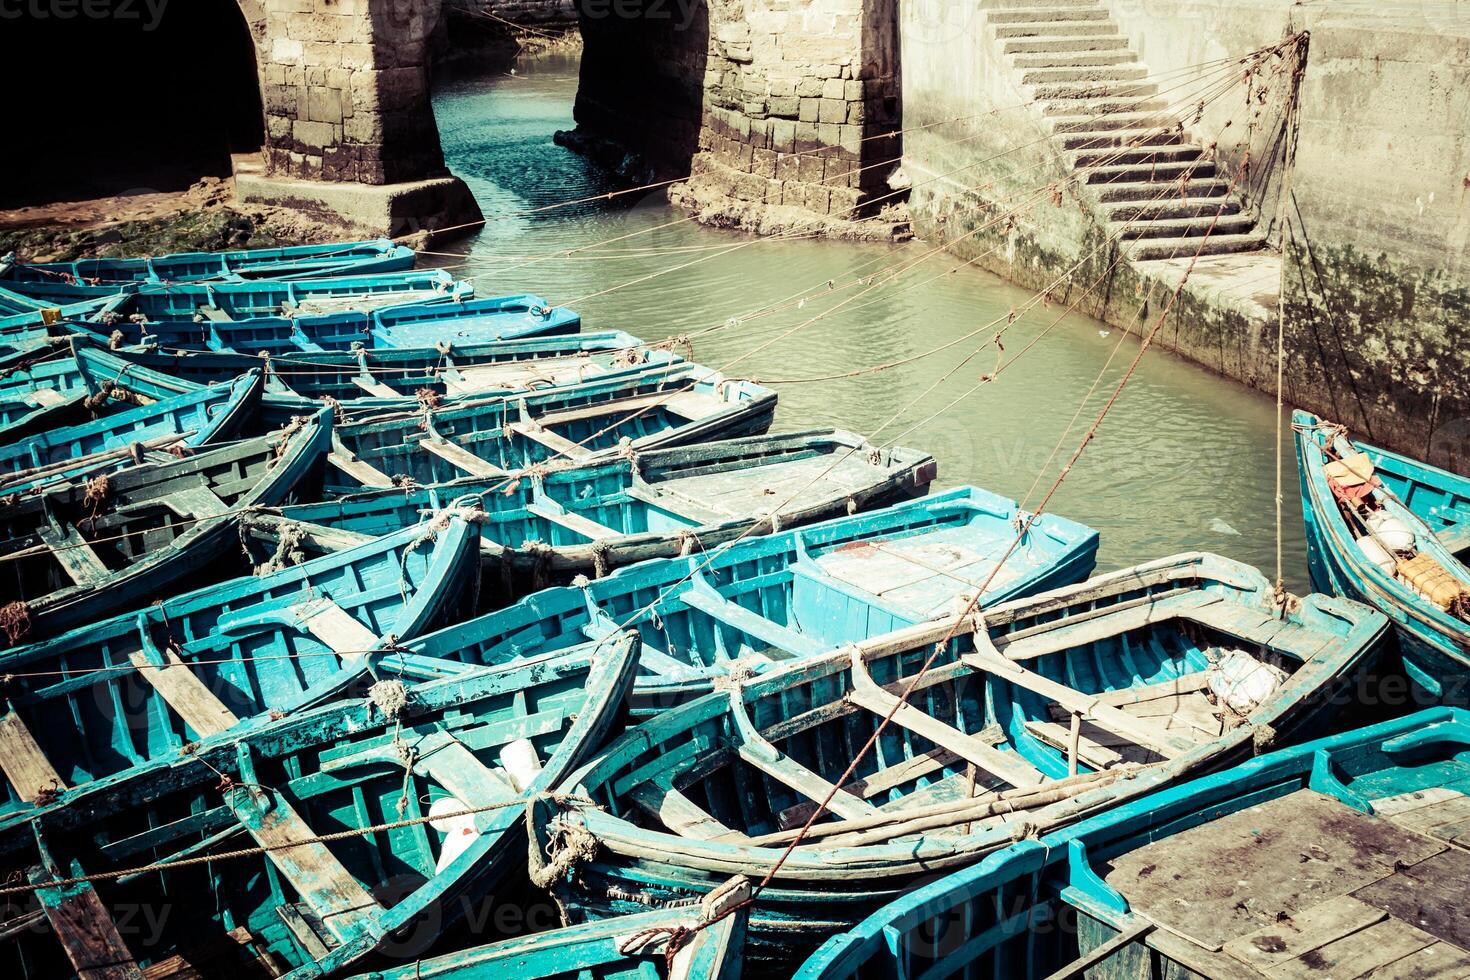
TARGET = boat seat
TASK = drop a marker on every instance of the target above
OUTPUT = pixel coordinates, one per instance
(459, 457)
(46, 397)
(558, 444)
(367, 384)
(196, 502)
(1456, 540)
(26, 767)
(869, 787)
(556, 514)
(178, 685)
(214, 314)
(1008, 766)
(699, 511)
(82, 923)
(764, 756)
(320, 616)
(74, 554)
(702, 596)
(1092, 708)
(661, 800)
(650, 658)
(694, 405)
(346, 461)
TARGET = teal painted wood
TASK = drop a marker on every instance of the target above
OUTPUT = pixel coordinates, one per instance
(462, 369)
(630, 947)
(1437, 497)
(950, 927)
(75, 556)
(64, 384)
(292, 262)
(319, 909)
(25, 320)
(162, 303)
(257, 644)
(418, 324)
(596, 517)
(715, 787)
(190, 420)
(766, 601)
(659, 406)
(1434, 645)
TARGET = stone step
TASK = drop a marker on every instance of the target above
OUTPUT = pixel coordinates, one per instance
(1081, 61)
(1095, 107)
(1052, 45)
(1040, 4)
(1147, 249)
(1111, 121)
(1171, 207)
(1058, 29)
(1180, 153)
(1039, 15)
(1094, 89)
(1225, 224)
(1169, 170)
(1148, 190)
(1122, 139)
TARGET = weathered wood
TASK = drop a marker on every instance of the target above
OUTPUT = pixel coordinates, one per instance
(26, 767)
(660, 800)
(373, 387)
(1095, 754)
(1303, 932)
(1101, 952)
(335, 627)
(762, 755)
(702, 596)
(196, 502)
(74, 554)
(459, 457)
(1356, 953)
(880, 782)
(1183, 684)
(1438, 961)
(1430, 894)
(82, 923)
(558, 444)
(204, 713)
(365, 473)
(584, 526)
(1100, 713)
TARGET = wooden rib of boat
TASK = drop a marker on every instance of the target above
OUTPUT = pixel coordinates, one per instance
(124, 692)
(444, 770)
(182, 423)
(662, 406)
(592, 518)
(68, 384)
(707, 940)
(500, 367)
(292, 262)
(1433, 628)
(1344, 857)
(161, 303)
(419, 324)
(766, 601)
(81, 552)
(983, 750)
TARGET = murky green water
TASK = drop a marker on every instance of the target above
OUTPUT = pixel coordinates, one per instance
(1183, 462)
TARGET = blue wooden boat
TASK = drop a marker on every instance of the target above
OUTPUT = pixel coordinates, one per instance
(706, 939)
(87, 549)
(427, 325)
(24, 316)
(767, 600)
(982, 752)
(495, 437)
(292, 262)
(1339, 858)
(162, 303)
(359, 822)
(70, 383)
(592, 518)
(104, 699)
(1348, 558)
(183, 422)
(500, 367)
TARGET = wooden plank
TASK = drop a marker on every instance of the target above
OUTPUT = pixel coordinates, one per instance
(1355, 954)
(660, 800)
(196, 502)
(46, 397)
(1007, 766)
(74, 554)
(1438, 961)
(367, 384)
(764, 755)
(558, 444)
(584, 526)
(86, 931)
(1102, 951)
(335, 627)
(1447, 820)
(365, 473)
(703, 597)
(313, 870)
(1303, 932)
(26, 767)
(617, 407)
(1456, 539)
(459, 457)
(185, 693)
(1093, 754)
(695, 405)
(1100, 713)
(1098, 624)
(219, 956)
(880, 782)
(1430, 894)
(1183, 684)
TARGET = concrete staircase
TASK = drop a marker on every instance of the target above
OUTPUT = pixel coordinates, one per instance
(1155, 189)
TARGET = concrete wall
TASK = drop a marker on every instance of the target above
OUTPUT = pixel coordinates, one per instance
(734, 90)
(1378, 327)
(346, 89)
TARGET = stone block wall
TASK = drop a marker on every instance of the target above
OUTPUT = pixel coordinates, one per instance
(346, 89)
(531, 13)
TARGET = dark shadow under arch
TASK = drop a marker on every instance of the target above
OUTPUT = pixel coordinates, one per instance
(105, 106)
